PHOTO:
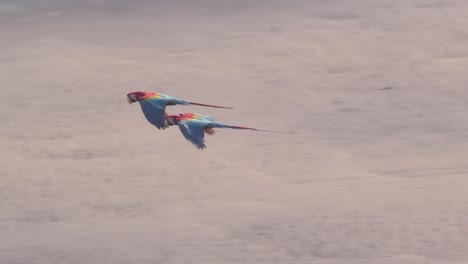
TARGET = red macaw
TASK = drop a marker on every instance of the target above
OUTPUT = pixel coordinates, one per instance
(194, 127)
(154, 105)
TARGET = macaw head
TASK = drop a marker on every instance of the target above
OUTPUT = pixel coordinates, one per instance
(137, 96)
(173, 120)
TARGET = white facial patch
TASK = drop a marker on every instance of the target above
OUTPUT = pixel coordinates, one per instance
(170, 121)
(131, 98)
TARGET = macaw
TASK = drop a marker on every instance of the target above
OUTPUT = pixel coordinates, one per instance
(194, 126)
(154, 105)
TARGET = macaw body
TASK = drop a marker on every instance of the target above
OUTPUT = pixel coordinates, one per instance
(154, 105)
(194, 126)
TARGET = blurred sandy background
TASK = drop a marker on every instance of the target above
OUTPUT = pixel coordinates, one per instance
(368, 163)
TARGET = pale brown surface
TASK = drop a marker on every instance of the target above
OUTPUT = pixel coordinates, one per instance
(368, 162)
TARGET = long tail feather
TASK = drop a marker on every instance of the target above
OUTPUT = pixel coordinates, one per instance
(215, 106)
(249, 128)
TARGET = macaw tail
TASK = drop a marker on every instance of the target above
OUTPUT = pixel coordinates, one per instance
(249, 128)
(208, 105)
(241, 127)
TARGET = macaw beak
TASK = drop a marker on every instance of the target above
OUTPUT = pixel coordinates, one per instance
(131, 99)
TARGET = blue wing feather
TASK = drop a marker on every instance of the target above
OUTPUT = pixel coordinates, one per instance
(194, 131)
(154, 111)
(179, 101)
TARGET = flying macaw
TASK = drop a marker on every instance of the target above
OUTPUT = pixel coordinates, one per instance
(154, 105)
(194, 127)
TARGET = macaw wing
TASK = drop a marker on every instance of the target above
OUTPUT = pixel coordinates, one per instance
(194, 131)
(155, 111)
